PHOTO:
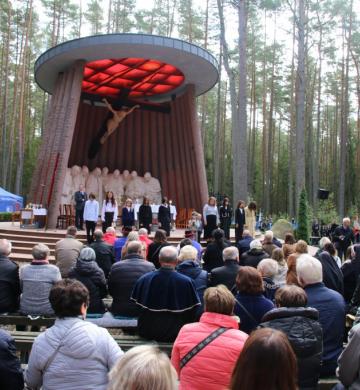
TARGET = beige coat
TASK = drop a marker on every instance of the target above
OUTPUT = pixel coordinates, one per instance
(250, 220)
(67, 251)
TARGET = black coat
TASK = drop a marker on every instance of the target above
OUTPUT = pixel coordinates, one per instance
(332, 275)
(9, 285)
(253, 257)
(346, 241)
(153, 253)
(213, 255)
(244, 244)
(351, 272)
(164, 216)
(104, 255)
(145, 215)
(122, 278)
(302, 327)
(11, 376)
(240, 217)
(225, 275)
(92, 276)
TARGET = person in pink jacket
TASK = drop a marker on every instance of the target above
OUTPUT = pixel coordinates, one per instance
(205, 352)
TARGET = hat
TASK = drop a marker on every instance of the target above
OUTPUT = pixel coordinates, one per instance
(255, 244)
(189, 234)
(87, 254)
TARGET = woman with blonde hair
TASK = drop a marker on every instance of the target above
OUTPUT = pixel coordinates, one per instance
(133, 236)
(301, 247)
(143, 368)
(278, 256)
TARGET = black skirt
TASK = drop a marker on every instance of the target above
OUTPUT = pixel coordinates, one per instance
(210, 226)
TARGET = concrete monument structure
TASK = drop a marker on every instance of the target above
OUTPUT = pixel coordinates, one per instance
(159, 76)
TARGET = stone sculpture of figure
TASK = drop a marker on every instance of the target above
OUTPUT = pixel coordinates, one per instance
(113, 123)
(116, 185)
(85, 175)
(152, 188)
(135, 188)
(126, 178)
(94, 184)
(67, 188)
(77, 179)
(105, 179)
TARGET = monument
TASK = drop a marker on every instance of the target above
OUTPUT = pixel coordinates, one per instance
(125, 102)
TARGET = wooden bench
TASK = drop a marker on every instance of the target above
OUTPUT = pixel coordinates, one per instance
(38, 321)
(24, 342)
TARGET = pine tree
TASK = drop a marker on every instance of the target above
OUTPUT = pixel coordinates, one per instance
(302, 232)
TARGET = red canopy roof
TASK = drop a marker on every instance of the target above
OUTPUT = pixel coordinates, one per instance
(144, 77)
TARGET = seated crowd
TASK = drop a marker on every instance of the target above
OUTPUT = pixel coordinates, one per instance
(254, 315)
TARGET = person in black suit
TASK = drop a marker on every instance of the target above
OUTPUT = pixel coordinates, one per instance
(239, 220)
(225, 215)
(164, 217)
(226, 274)
(145, 215)
(343, 237)
(80, 198)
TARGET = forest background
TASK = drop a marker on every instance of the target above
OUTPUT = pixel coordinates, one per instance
(284, 115)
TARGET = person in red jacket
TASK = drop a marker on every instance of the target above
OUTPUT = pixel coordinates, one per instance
(205, 352)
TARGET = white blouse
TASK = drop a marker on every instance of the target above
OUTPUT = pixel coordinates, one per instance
(109, 208)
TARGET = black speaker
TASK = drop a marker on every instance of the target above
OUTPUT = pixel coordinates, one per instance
(323, 194)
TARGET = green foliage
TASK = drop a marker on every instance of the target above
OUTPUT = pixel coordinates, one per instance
(5, 217)
(302, 232)
(326, 213)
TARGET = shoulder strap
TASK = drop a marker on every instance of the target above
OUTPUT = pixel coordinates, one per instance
(52, 356)
(252, 318)
(199, 347)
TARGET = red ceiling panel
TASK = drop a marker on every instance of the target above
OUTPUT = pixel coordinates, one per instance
(144, 77)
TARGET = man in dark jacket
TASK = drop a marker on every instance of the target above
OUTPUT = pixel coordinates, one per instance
(332, 275)
(104, 252)
(80, 197)
(9, 280)
(226, 274)
(168, 299)
(253, 256)
(244, 244)
(11, 376)
(351, 273)
(268, 269)
(343, 237)
(331, 307)
(302, 327)
(122, 278)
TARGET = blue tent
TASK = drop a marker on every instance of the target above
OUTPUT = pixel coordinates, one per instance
(10, 202)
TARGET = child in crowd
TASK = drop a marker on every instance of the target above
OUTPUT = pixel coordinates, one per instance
(196, 225)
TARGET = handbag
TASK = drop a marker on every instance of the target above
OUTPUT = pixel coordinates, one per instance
(200, 346)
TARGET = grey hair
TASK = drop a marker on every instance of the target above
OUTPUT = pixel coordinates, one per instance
(110, 229)
(40, 252)
(134, 247)
(323, 241)
(87, 254)
(168, 254)
(5, 247)
(268, 268)
(143, 232)
(309, 270)
(230, 253)
(98, 234)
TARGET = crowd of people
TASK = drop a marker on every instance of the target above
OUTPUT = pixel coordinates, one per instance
(259, 313)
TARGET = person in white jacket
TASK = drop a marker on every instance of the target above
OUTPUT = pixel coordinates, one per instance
(73, 354)
(91, 216)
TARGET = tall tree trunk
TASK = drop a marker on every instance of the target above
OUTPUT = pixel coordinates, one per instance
(239, 137)
(300, 105)
(21, 122)
(344, 120)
